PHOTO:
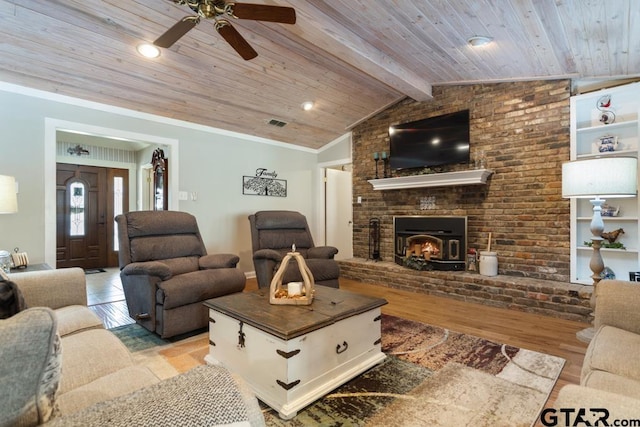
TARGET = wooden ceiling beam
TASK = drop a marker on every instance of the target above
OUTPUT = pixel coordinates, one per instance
(329, 35)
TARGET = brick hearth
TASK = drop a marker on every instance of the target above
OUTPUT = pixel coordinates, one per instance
(557, 299)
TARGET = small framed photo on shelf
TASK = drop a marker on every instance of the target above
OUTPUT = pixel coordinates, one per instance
(607, 144)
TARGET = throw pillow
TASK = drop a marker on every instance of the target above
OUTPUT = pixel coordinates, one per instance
(11, 300)
(30, 352)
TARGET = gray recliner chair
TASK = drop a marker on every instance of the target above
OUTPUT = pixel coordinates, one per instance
(166, 272)
(272, 235)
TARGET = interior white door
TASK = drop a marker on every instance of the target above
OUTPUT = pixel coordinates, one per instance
(339, 212)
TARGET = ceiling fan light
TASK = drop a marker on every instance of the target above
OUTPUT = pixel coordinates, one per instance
(477, 41)
(307, 105)
(148, 50)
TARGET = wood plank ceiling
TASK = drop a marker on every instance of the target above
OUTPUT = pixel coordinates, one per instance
(351, 57)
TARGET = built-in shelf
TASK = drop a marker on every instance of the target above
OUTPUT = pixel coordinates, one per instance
(609, 128)
(589, 249)
(609, 218)
(445, 179)
(619, 153)
(586, 132)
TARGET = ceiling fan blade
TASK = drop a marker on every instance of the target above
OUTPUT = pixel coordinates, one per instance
(233, 37)
(263, 12)
(174, 33)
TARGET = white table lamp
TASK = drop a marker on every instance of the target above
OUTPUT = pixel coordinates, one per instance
(8, 204)
(8, 197)
(598, 179)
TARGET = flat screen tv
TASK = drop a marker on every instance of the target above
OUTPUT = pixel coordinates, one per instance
(436, 141)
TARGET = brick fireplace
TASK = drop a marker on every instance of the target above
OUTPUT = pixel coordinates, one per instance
(430, 242)
(521, 130)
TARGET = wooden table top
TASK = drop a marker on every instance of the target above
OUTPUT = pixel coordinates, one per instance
(289, 321)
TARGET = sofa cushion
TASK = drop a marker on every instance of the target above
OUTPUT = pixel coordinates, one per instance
(218, 261)
(275, 220)
(613, 383)
(182, 265)
(30, 367)
(76, 318)
(107, 387)
(154, 248)
(320, 269)
(284, 239)
(11, 299)
(584, 398)
(204, 396)
(91, 355)
(613, 350)
(149, 223)
(199, 286)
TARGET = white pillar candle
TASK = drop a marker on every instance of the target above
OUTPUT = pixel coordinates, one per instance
(294, 288)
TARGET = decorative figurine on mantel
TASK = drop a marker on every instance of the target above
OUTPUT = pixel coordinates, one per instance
(296, 293)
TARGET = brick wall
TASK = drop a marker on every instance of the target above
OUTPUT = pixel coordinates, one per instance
(523, 130)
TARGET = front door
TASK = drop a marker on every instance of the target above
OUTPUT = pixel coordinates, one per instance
(87, 198)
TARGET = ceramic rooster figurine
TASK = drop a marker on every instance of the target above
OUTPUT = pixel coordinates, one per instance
(612, 236)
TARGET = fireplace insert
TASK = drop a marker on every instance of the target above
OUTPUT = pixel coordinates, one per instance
(431, 243)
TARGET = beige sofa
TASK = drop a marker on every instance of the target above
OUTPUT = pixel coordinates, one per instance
(610, 377)
(86, 374)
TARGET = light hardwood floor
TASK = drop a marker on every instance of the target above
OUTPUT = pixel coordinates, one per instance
(525, 330)
(530, 331)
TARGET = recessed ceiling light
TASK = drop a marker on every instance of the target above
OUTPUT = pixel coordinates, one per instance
(476, 41)
(307, 105)
(148, 50)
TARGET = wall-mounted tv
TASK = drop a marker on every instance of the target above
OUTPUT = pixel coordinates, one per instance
(436, 141)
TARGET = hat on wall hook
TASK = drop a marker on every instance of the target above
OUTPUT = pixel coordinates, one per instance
(78, 150)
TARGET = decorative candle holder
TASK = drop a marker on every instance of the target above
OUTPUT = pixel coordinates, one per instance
(377, 159)
(385, 160)
(279, 296)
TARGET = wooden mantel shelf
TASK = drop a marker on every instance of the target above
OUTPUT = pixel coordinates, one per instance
(446, 179)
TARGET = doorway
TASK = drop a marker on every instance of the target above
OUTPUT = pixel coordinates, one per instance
(52, 127)
(339, 211)
(87, 200)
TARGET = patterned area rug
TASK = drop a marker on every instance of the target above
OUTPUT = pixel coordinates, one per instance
(436, 377)
(431, 377)
(137, 338)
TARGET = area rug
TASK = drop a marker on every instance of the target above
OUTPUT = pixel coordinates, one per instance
(137, 338)
(94, 270)
(431, 377)
(436, 377)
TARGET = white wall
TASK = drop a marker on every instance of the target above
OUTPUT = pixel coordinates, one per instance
(211, 163)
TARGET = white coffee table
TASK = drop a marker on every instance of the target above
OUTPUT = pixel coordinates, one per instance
(293, 355)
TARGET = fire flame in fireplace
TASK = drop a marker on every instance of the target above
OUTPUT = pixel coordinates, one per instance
(428, 248)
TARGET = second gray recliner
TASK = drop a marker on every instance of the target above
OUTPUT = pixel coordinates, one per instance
(272, 235)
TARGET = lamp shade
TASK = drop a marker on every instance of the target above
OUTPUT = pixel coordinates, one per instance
(8, 197)
(606, 177)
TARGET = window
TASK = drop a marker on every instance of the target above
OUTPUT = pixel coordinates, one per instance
(118, 202)
(77, 217)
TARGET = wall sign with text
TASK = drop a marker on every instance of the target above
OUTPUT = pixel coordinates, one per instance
(264, 183)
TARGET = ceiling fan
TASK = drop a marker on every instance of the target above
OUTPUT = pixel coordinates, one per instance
(219, 11)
